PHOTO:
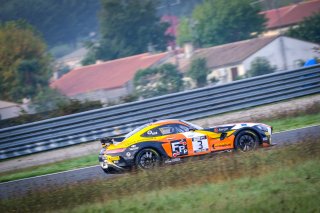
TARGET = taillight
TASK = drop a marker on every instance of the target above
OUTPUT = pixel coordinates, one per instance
(114, 151)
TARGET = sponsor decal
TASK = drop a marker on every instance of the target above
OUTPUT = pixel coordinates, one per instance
(221, 129)
(150, 132)
(113, 158)
(179, 148)
(223, 145)
(244, 125)
(133, 147)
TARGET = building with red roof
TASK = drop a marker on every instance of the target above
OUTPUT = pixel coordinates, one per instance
(105, 81)
(288, 16)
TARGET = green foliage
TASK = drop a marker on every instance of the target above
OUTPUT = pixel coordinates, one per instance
(128, 98)
(308, 30)
(48, 99)
(157, 81)
(199, 71)
(270, 4)
(220, 21)
(260, 66)
(128, 28)
(24, 62)
(184, 31)
(178, 8)
(59, 21)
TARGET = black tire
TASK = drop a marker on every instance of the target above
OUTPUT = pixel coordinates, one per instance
(147, 159)
(246, 140)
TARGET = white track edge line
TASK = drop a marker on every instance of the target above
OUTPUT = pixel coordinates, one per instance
(98, 165)
(49, 174)
(297, 128)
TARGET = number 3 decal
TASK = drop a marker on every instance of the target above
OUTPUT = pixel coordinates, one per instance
(200, 144)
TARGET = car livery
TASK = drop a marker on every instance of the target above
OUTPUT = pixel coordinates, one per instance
(168, 141)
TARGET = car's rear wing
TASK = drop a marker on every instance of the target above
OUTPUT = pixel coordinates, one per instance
(107, 141)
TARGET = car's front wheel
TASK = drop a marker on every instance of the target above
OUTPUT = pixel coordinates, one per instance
(246, 140)
(147, 159)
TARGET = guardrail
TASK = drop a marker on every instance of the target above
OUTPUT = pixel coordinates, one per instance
(188, 105)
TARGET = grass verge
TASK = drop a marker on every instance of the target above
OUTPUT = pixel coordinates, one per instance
(60, 166)
(288, 190)
(286, 123)
(285, 179)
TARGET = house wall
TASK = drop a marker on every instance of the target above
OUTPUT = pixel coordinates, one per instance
(224, 74)
(295, 50)
(9, 112)
(106, 96)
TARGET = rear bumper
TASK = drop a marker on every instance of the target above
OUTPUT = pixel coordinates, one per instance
(117, 165)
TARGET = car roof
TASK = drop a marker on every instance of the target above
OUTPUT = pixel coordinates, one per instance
(168, 121)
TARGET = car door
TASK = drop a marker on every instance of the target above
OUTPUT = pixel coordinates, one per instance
(197, 143)
(175, 143)
(184, 142)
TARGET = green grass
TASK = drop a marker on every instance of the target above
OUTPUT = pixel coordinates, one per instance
(277, 179)
(294, 189)
(65, 165)
(293, 122)
(90, 160)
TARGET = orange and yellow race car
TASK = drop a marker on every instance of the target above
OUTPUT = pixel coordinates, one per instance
(168, 141)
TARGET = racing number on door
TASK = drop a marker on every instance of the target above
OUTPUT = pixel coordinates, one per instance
(200, 144)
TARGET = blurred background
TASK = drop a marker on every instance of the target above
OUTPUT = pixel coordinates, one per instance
(59, 57)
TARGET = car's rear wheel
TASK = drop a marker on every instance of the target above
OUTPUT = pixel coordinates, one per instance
(147, 159)
(246, 141)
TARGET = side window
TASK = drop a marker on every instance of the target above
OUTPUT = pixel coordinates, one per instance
(182, 128)
(152, 133)
(168, 129)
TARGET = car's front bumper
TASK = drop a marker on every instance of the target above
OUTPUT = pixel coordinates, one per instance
(266, 139)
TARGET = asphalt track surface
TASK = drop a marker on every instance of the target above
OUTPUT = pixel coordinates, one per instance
(60, 179)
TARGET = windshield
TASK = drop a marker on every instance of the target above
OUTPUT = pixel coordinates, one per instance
(135, 130)
(192, 125)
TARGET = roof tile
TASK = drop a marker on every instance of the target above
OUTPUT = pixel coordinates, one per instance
(289, 15)
(106, 75)
(232, 53)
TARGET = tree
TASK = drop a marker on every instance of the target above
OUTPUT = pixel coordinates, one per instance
(24, 62)
(308, 30)
(260, 66)
(220, 21)
(152, 82)
(59, 21)
(128, 28)
(199, 71)
(185, 34)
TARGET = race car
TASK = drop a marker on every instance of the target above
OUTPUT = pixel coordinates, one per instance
(169, 141)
